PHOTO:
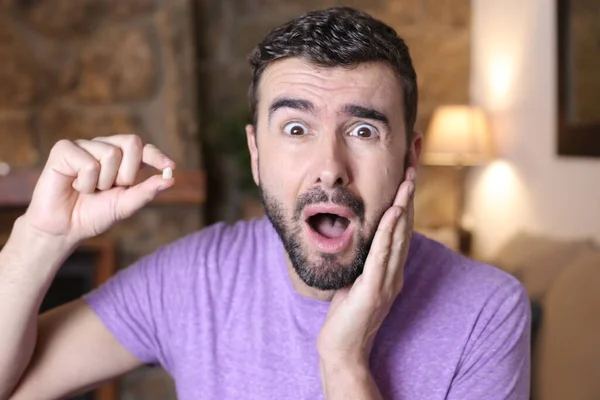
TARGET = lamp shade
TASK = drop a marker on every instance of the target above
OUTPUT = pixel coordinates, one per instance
(458, 135)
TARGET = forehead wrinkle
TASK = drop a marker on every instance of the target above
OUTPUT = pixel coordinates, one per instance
(321, 79)
(327, 96)
(322, 85)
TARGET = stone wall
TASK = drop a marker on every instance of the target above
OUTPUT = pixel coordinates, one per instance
(437, 32)
(85, 68)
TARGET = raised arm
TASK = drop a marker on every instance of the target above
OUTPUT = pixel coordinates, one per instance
(85, 187)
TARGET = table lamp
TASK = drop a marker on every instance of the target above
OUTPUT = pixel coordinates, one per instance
(458, 136)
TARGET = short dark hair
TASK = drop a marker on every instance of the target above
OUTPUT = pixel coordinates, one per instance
(339, 36)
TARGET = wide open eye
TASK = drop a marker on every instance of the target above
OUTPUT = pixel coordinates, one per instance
(364, 131)
(295, 129)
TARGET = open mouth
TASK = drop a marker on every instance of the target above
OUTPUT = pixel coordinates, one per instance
(330, 226)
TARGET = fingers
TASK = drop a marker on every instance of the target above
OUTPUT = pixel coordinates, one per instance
(101, 163)
(402, 237)
(384, 265)
(154, 157)
(402, 233)
(68, 164)
(109, 158)
(374, 271)
(135, 153)
(408, 184)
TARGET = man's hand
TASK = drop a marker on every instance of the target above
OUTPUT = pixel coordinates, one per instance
(87, 185)
(356, 313)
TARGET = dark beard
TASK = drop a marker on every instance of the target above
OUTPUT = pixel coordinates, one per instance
(327, 273)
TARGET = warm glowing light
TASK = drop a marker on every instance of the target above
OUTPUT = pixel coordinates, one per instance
(499, 199)
(458, 135)
(499, 182)
(501, 76)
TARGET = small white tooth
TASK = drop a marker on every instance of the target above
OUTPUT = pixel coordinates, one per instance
(167, 173)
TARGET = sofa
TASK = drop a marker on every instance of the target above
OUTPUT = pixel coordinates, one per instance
(562, 278)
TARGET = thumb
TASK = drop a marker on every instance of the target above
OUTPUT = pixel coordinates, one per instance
(338, 298)
(134, 198)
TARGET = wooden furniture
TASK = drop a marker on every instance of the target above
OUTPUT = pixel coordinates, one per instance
(16, 188)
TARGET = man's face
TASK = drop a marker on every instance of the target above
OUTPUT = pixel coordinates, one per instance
(329, 153)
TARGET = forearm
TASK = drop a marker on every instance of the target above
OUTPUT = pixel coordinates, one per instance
(348, 382)
(28, 263)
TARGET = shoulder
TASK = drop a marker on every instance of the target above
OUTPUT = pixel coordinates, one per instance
(471, 284)
(429, 257)
(199, 262)
(199, 256)
(216, 242)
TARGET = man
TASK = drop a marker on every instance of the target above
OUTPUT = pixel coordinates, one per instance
(329, 297)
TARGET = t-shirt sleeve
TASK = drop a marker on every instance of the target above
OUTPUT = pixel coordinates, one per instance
(137, 305)
(496, 361)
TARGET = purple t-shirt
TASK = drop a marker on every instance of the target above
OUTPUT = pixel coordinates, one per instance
(218, 311)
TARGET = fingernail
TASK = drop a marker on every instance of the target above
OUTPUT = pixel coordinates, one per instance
(397, 212)
(169, 162)
(411, 190)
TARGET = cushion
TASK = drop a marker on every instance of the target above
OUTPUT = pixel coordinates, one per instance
(536, 260)
(567, 354)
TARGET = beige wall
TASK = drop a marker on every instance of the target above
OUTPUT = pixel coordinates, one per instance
(514, 76)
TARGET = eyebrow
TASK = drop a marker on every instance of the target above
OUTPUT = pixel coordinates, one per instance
(366, 113)
(349, 109)
(297, 104)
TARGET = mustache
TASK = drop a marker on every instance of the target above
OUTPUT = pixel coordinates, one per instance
(339, 196)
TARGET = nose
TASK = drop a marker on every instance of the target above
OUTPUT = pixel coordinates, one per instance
(332, 164)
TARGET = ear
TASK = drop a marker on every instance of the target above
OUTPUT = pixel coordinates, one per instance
(415, 149)
(252, 146)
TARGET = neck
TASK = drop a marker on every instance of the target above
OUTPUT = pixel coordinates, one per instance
(303, 289)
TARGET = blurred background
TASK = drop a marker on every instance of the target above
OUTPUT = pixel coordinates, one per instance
(509, 105)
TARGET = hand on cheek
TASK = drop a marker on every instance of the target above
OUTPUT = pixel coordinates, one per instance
(356, 313)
